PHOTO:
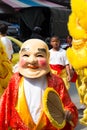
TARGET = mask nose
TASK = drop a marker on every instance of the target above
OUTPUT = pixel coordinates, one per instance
(32, 60)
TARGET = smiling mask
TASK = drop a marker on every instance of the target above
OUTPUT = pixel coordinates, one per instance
(34, 59)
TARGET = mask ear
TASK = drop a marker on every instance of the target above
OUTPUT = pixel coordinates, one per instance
(48, 55)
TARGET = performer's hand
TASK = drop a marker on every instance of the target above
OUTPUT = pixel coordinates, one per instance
(68, 115)
(69, 78)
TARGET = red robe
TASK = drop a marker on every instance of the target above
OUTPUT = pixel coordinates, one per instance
(9, 117)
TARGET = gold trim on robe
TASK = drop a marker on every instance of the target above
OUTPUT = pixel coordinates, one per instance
(24, 112)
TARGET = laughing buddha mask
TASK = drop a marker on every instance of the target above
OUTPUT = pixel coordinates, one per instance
(34, 58)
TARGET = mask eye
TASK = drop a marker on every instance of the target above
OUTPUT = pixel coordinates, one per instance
(25, 55)
(39, 55)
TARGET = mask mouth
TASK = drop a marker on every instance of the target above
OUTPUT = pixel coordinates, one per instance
(32, 67)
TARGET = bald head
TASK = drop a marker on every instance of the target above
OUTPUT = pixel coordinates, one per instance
(33, 43)
(35, 50)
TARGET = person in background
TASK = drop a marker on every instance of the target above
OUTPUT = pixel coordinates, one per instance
(47, 40)
(58, 61)
(36, 33)
(67, 43)
(21, 106)
(6, 42)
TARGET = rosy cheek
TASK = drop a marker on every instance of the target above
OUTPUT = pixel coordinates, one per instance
(42, 62)
(22, 62)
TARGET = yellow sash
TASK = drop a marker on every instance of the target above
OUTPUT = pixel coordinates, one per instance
(22, 107)
(24, 112)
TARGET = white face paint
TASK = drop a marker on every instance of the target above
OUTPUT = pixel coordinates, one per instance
(34, 59)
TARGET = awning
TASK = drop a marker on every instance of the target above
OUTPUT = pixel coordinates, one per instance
(30, 3)
(6, 9)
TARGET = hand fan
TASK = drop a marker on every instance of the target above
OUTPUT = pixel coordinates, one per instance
(53, 108)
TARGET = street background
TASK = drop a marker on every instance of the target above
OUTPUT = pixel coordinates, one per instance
(75, 98)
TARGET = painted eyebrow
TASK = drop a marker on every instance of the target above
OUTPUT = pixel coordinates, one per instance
(39, 49)
(42, 50)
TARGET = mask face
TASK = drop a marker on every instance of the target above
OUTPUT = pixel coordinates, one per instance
(34, 57)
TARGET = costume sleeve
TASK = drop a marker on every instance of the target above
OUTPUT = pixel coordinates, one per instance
(7, 102)
(4, 111)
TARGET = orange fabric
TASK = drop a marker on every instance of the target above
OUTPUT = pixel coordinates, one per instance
(24, 112)
(22, 107)
(10, 118)
(60, 71)
(57, 68)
